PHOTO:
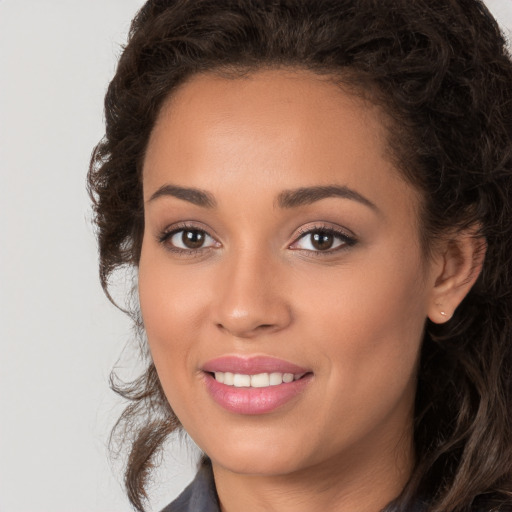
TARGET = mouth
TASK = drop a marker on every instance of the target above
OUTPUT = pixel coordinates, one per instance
(254, 385)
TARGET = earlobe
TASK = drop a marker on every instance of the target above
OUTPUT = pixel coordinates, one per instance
(460, 264)
(439, 315)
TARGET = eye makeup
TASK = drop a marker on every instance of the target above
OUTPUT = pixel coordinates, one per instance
(189, 239)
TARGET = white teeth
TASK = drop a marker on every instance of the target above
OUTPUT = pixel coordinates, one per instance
(276, 379)
(241, 381)
(260, 380)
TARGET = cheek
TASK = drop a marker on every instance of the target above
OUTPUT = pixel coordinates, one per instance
(368, 325)
(172, 306)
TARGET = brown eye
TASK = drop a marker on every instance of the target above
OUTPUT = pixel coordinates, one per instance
(188, 240)
(192, 239)
(322, 241)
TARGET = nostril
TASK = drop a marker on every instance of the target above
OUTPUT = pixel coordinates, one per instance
(261, 327)
(250, 322)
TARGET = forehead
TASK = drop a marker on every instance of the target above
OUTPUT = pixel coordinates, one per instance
(277, 127)
(269, 101)
(296, 94)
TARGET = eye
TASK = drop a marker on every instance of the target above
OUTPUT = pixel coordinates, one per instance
(187, 239)
(323, 240)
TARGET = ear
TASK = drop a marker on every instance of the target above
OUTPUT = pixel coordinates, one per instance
(458, 265)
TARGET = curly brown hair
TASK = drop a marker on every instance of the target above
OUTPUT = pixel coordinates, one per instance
(441, 71)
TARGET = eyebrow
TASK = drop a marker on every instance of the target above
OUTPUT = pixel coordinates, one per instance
(309, 195)
(286, 199)
(192, 195)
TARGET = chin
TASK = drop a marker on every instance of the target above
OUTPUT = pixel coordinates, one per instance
(256, 465)
(258, 458)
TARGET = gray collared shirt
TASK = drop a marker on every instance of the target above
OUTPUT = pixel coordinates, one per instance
(199, 496)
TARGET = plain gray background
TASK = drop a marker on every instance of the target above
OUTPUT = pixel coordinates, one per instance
(59, 335)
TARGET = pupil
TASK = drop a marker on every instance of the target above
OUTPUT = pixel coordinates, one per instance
(322, 241)
(192, 239)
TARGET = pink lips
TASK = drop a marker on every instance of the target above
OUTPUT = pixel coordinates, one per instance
(248, 400)
(251, 365)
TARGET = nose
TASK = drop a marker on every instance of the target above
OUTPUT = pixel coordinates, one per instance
(251, 299)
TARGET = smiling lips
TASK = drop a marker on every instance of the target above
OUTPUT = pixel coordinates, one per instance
(254, 385)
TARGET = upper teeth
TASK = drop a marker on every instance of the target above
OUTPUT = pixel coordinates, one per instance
(261, 380)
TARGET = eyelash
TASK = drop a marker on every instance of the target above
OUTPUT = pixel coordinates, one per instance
(347, 240)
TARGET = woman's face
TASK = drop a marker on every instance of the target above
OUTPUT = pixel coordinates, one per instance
(281, 244)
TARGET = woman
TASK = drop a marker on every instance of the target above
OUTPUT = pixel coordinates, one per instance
(317, 199)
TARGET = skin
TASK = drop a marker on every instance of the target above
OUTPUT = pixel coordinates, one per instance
(354, 315)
